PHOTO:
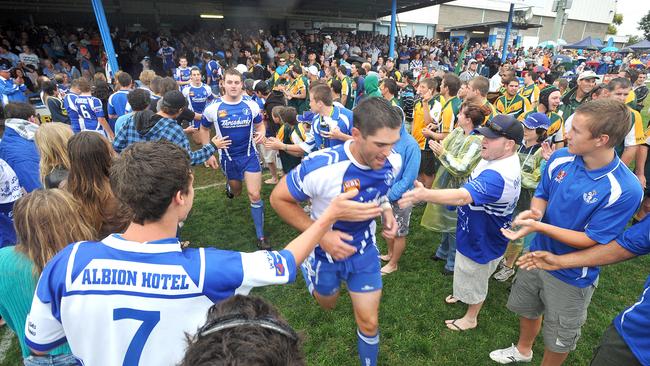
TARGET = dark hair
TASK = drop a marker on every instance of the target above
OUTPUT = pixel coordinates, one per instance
(194, 68)
(373, 114)
(452, 82)
(124, 79)
(391, 85)
(19, 110)
(49, 88)
(167, 84)
(343, 70)
(607, 117)
(139, 99)
(619, 83)
(633, 74)
(533, 75)
(322, 93)
(336, 86)
(475, 112)
(147, 176)
(155, 84)
(244, 330)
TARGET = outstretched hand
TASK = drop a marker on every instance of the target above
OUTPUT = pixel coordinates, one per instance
(413, 196)
(526, 222)
(539, 260)
(344, 208)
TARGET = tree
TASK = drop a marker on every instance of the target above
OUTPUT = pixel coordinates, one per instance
(644, 25)
(611, 29)
(634, 39)
(618, 19)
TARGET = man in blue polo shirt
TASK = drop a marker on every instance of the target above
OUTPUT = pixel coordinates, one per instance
(485, 205)
(585, 198)
(118, 104)
(627, 340)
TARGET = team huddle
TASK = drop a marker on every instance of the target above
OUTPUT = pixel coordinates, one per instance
(523, 173)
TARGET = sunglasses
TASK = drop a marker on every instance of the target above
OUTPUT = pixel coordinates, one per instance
(282, 61)
(497, 129)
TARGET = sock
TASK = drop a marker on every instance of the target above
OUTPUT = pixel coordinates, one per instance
(257, 211)
(368, 347)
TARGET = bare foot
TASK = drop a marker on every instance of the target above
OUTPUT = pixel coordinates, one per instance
(460, 325)
(385, 257)
(451, 299)
(271, 181)
(388, 269)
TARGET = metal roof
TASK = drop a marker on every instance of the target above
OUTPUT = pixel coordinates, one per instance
(487, 25)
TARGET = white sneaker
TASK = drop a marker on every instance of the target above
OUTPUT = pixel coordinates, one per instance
(504, 274)
(509, 355)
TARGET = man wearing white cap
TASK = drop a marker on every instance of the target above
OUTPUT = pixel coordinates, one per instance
(312, 73)
(470, 73)
(329, 48)
(578, 95)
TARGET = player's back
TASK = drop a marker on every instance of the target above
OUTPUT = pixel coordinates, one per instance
(118, 103)
(89, 109)
(71, 108)
(129, 303)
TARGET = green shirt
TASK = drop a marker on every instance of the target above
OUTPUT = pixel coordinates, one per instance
(17, 287)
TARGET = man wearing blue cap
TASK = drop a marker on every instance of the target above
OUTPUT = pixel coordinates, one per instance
(485, 204)
(11, 90)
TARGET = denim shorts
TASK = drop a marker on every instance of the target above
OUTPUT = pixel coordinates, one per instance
(48, 360)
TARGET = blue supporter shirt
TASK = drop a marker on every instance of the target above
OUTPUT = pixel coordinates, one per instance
(494, 186)
(71, 108)
(198, 97)
(182, 74)
(118, 104)
(167, 54)
(139, 300)
(89, 109)
(340, 117)
(597, 202)
(633, 324)
(325, 174)
(235, 120)
(213, 70)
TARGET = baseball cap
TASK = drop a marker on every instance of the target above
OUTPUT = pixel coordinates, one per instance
(241, 68)
(313, 70)
(587, 75)
(174, 99)
(5, 66)
(503, 125)
(305, 117)
(537, 120)
(472, 61)
(328, 37)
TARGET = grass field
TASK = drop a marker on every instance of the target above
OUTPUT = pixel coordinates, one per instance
(412, 309)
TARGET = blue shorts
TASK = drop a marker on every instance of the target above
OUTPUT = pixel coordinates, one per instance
(361, 273)
(235, 167)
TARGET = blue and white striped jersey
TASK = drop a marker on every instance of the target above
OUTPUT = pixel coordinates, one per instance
(198, 97)
(119, 302)
(235, 120)
(118, 104)
(71, 108)
(325, 174)
(89, 110)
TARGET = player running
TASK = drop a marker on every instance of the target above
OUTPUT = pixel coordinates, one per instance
(239, 119)
(182, 74)
(349, 252)
(198, 95)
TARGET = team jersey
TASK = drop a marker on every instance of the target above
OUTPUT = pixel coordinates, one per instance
(492, 113)
(118, 104)
(71, 108)
(343, 173)
(346, 90)
(494, 186)
(235, 120)
(597, 202)
(636, 136)
(167, 54)
(435, 109)
(515, 107)
(89, 109)
(340, 117)
(213, 70)
(119, 302)
(630, 100)
(633, 324)
(448, 115)
(198, 97)
(182, 74)
(530, 92)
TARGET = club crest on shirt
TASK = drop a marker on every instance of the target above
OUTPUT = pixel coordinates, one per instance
(275, 263)
(246, 111)
(389, 177)
(560, 176)
(590, 197)
(223, 113)
(349, 185)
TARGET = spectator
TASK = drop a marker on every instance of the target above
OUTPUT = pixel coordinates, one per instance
(244, 322)
(139, 100)
(91, 157)
(54, 103)
(8, 195)
(46, 221)
(470, 73)
(11, 89)
(17, 146)
(52, 143)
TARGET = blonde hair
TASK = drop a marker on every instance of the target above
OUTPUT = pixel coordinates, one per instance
(52, 142)
(146, 76)
(46, 220)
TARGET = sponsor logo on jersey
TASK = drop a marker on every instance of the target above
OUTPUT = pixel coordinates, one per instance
(349, 185)
(560, 176)
(223, 113)
(275, 263)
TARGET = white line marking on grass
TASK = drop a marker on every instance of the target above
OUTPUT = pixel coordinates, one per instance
(5, 343)
(209, 186)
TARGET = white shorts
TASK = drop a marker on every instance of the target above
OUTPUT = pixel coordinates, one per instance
(269, 155)
(471, 278)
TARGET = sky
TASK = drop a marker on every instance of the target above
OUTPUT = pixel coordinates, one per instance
(633, 11)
